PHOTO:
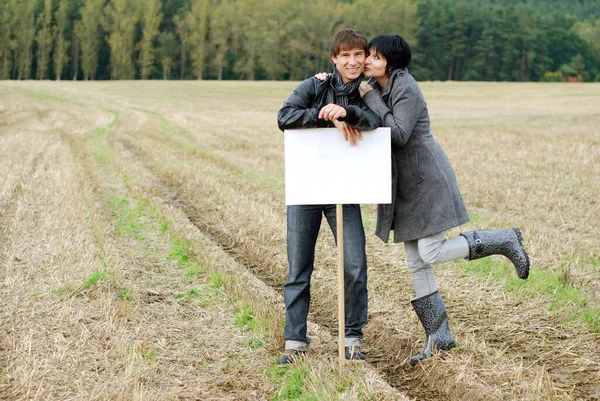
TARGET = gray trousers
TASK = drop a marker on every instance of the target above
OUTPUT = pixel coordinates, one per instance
(424, 252)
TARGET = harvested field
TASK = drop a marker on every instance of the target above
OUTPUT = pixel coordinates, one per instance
(142, 249)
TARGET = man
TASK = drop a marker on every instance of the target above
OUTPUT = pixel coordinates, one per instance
(334, 102)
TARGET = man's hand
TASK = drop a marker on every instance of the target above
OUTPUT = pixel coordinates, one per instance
(365, 89)
(332, 112)
(351, 135)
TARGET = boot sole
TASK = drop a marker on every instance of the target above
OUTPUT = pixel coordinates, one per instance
(520, 238)
(414, 360)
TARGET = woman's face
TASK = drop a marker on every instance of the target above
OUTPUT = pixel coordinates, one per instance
(375, 65)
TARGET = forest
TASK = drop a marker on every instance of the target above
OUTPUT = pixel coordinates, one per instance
(460, 40)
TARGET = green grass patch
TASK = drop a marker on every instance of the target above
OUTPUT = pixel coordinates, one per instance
(164, 227)
(180, 250)
(216, 280)
(95, 278)
(256, 342)
(193, 268)
(127, 180)
(290, 382)
(296, 382)
(148, 355)
(244, 317)
(101, 152)
(562, 296)
(123, 294)
(164, 124)
(193, 294)
(591, 315)
(128, 216)
(64, 289)
(474, 218)
(43, 96)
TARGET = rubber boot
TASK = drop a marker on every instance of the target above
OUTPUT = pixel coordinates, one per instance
(507, 242)
(432, 313)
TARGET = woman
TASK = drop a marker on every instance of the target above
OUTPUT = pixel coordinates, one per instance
(426, 200)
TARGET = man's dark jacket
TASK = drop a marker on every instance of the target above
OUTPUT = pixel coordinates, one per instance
(301, 109)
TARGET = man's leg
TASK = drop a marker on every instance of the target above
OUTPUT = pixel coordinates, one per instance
(303, 223)
(355, 271)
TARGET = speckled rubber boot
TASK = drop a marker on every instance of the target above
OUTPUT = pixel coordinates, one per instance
(432, 313)
(507, 242)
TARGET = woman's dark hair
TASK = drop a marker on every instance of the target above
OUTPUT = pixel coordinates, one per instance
(394, 49)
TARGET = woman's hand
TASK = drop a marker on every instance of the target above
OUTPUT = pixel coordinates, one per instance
(351, 135)
(365, 89)
(322, 76)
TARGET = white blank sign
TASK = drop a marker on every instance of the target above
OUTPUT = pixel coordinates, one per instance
(322, 168)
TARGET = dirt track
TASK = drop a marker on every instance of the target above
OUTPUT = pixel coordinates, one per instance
(517, 164)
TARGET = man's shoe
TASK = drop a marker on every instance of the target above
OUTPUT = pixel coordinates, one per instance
(353, 353)
(290, 356)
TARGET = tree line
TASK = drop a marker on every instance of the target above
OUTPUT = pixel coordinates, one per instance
(510, 40)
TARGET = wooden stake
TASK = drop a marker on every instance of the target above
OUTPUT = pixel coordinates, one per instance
(341, 298)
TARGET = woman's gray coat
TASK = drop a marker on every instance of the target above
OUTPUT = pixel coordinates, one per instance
(425, 195)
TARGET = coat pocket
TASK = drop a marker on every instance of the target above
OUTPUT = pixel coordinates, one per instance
(414, 166)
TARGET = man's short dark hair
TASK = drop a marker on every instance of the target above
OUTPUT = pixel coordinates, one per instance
(348, 39)
(394, 49)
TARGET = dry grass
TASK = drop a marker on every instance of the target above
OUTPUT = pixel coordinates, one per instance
(105, 181)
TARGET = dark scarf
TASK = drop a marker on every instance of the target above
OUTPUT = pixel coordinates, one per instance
(343, 91)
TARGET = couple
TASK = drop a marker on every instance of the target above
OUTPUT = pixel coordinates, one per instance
(426, 200)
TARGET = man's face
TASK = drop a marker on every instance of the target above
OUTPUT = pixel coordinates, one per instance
(350, 63)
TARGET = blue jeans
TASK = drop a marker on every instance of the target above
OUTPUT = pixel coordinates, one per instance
(303, 223)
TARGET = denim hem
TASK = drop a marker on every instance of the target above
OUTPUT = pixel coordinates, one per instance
(297, 345)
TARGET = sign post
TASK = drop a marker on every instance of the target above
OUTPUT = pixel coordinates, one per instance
(321, 168)
(339, 217)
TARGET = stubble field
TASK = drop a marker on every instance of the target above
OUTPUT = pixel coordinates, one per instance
(142, 249)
